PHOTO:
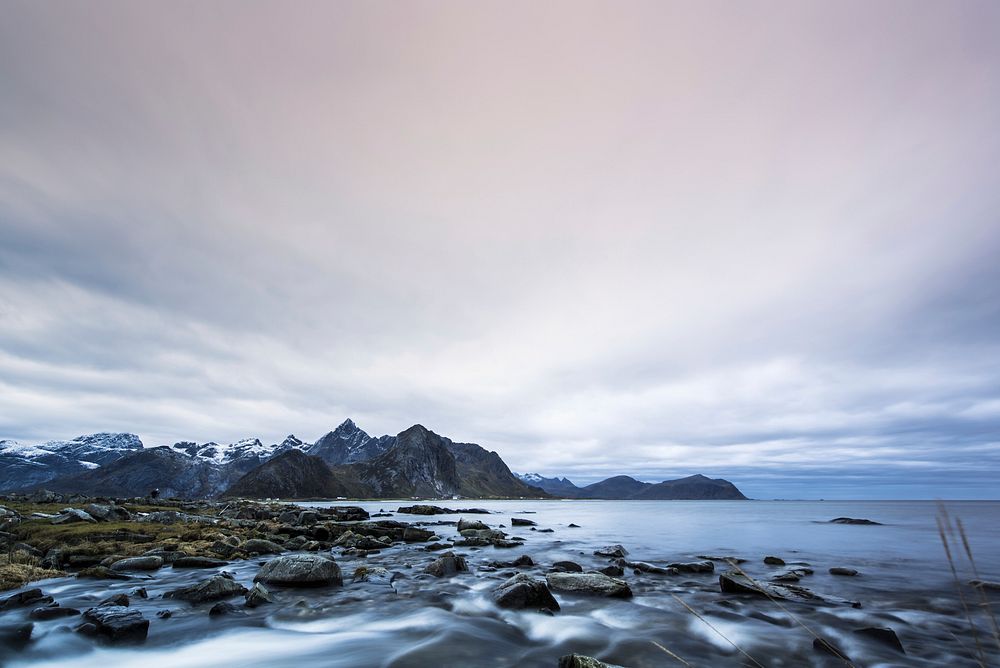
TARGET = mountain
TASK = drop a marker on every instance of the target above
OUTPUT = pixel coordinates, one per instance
(294, 475)
(618, 487)
(695, 487)
(174, 473)
(555, 486)
(348, 444)
(23, 465)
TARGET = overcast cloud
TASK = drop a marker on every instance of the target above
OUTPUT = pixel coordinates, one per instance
(753, 240)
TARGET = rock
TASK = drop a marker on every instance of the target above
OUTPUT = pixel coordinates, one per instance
(522, 592)
(307, 518)
(613, 571)
(16, 637)
(72, 515)
(168, 556)
(524, 561)
(101, 573)
(596, 584)
(826, 647)
(349, 513)
(774, 561)
(734, 560)
(985, 584)
(198, 562)
(116, 624)
(416, 535)
(117, 599)
(52, 612)
(214, 588)
(107, 513)
(165, 614)
(884, 635)
(613, 551)
(520, 522)
(423, 510)
(581, 661)
(567, 567)
(573, 526)
(446, 565)
(25, 598)
(261, 546)
(643, 567)
(693, 566)
(471, 525)
(140, 592)
(373, 575)
(223, 608)
(839, 570)
(138, 564)
(852, 520)
(737, 583)
(301, 570)
(258, 595)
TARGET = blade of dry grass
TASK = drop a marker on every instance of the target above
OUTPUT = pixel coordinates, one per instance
(943, 524)
(975, 572)
(672, 654)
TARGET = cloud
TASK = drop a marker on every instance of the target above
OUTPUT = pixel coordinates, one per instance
(657, 240)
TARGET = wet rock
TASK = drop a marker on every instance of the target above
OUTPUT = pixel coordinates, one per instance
(644, 567)
(117, 599)
(261, 546)
(73, 515)
(581, 661)
(524, 561)
(101, 573)
(826, 647)
(16, 637)
(471, 525)
(417, 535)
(735, 560)
(138, 564)
(520, 522)
(198, 562)
(258, 595)
(52, 612)
(573, 526)
(595, 584)
(115, 624)
(301, 570)
(348, 513)
(522, 592)
(223, 608)
(985, 584)
(165, 614)
(839, 570)
(307, 518)
(737, 583)
(567, 567)
(693, 566)
(373, 575)
(774, 561)
(140, 592)
(613, 551)
(612, 571)
(214, 588)
(423, 510)
(883, 635)
(852, 520)
(25, 598)
(446, 565)
(168, 556)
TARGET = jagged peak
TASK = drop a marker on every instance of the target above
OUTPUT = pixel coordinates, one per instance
(347, 425)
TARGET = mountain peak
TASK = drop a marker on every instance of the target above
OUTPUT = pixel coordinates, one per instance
(346, 425)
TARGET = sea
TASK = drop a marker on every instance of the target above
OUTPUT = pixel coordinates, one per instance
(905, 582)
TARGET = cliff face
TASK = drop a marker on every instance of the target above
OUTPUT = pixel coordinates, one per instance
(294, 475)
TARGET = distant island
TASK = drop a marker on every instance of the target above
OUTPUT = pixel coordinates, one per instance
(346, 462)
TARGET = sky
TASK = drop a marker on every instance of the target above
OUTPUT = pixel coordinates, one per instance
(754, 240)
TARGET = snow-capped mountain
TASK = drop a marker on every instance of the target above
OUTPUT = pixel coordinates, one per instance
(23, 464)
(248, 448)
(348, 444)
(557, 486)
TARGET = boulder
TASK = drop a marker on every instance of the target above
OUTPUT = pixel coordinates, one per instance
(840, 570)
(301, 570)
(737, 583)
(522, 592)
(985, 584)
(567, 567)
(261, 546)
(16, 637)
(71, 516)
(150, 563)
(883, 635)
(423, 510)
(827, 647)
(373, 575)
(416, 535)
(117, 599)
(101, 573)
(471, 525)
(25, 598)
(258, 595)
(852, 520)
(581, 661)
(644, 567)
(612, 570)
(595, 584)
(693, 566)
(446, 565)
(107, 513)
(214, 588)
(115, 624)
(524, 561)
(223, 608)
(520, 522)
(52, 612)
(774, 561)
(613, 551)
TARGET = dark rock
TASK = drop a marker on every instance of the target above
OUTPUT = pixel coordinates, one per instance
(446, 565)
(693, 566)
(223, 608)
(852, 520)
(737, 583)
(612, 571)
(140, 592)
(301, 570)
(520, 522)
(165, 614)
(567, 567)
(52, 612)
(25, 598)
(596, 584)
(168, 556)
(774, 561)
(101, 573)
(116, 624)
(581, 661)
(985, 584)
(573, 526)
(261, 546)
(826, 647)
(117, 599)
(524, 561)
(258, 595)
(884, 635)
(471, 525)
(839, 570)
(416, 535)
(423, 510)
(643, 567)
(614, 551)
(214, 588)
(138, 564)
(198, 562)
(523, 592)
(16, 637)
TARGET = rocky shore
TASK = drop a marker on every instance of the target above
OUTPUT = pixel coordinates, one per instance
(229, 559)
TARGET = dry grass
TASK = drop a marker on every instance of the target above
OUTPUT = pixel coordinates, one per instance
(18, 569)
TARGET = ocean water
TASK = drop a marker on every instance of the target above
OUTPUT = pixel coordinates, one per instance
(905, 583)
